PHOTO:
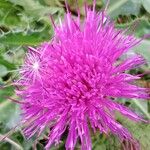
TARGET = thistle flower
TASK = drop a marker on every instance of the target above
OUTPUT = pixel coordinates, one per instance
(73, 81)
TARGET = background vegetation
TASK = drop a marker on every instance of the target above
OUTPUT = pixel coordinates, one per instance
(27, 23)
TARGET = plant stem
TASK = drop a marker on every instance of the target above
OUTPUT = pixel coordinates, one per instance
(16, 145)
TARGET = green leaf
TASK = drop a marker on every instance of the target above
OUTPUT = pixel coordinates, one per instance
(140, 131)
(27, 4)
(144, 49)
(104, 142)
(5, 92)
(3, 70)
(24, 39)
(9, 110)
(123, 7)
(142, 106)
(5, 4)
(7, 64)
(140, 26)
(44, 11)
(9, 14)
(146, 4)
(14, 117)
(6, 108)
(100, 147)
(34, 8)
(54, 2)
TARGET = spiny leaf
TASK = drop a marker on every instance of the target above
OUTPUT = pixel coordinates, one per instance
(7, 64)
(144, 49)
(3, 70)
(140, 131)
(20, 38)
(123, 7)
(146, 4)
(139, 25)
(5, 4)
(35, 8)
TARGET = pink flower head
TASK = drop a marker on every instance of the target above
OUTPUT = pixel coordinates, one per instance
(70, 82)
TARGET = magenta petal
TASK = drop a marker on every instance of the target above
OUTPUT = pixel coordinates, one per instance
(68, 84)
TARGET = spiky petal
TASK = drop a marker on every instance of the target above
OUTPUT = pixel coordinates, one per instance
(69, 83)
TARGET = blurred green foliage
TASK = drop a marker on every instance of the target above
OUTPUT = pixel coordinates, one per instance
(27, 23)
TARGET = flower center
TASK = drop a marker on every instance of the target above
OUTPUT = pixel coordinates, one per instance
(35, 66)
